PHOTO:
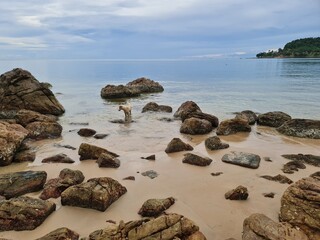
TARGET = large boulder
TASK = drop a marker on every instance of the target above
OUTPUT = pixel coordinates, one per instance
(61, 234)
(247, 115)
(177, 145)
(120, 91)
(19, 183)
(154, 207)
(200, 115)
(243, 159)
(96, 193)
(195, 126)
(232, 126)
(89, 151)
(20, 90)
(145, 85)
(154, 107)
(273, 119)
(303, 128)
(24, 213)
(187, 108)
(11, 137)
(300, 206)
(25, 117)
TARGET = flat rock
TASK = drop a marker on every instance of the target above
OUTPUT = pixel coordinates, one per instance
(195, 126)
(154, 107)
(96, 193)
(100, 136)
(61, 234)
(303, 128)
(247, 115)
(154, 207)
(214, 143)
(239, 193)
(19, 183)
(59, 145)
(232, 126)
(304, 158)
(108, 161)
(177, 145)
(150, 173)
(273, 119)
(58, 158)
(186, 108)
(292, 166)
(24, 213)
(194, 159)
(278, 178)
(151, 157)
(215, 174)
(200, 115)
(88, 151)
(86, 132)
(243, 159)
(269, 195)
(132, 178)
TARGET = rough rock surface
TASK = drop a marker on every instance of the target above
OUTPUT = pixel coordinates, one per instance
(247, 115)
(305, 158)
(145, 85)
(200, 115)
(170, 226)
(61, 234)
(120, 91)
(278, 178)
(24, 213)
(248, 160)
(58, 158)
(42, 130)
(19, 183)
(86, 132)
(214, 143)
(24, 117)
(239, 193)
(96, 193)
(196, 126)
(273, 119)
(88, 151)
(187, 108)
(177, 145)
(232, 126)
(150, 173)
(292, 166)
(193, 159)
(108, 161)
(154, 207)
(20, 90)
(24, 156)
(154, 107)
(303, 128)
(259, 227)
(300, 206)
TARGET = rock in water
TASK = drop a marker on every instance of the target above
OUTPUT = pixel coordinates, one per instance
(96, 193)
(86, 132)
(248, 160)
(303, 128)
(58, 158)
(214, 143)
(239, 193)
(154, 107)
(200, 115)
(24, 213)
(177, 145)
(61, 234)
(88, 151)
(145, 85)
(278, 178)
(195, 126)
(292, 166)
(20, 90)
(154, 207)
(273, 119)
(232, 126)
(193, 159)
(108, 161)
(187, 108)
(150, 173)
(304, 158)
(112, 91)
(247, 115)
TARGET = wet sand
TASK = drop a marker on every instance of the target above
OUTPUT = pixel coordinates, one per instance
(199, 196)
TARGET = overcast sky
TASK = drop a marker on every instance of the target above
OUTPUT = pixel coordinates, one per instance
(157, 29)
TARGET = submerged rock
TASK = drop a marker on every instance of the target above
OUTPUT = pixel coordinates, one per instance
(214, 143)
(232, 126)
(292, 166)
(303, 128)
(154, 207)
(195, 126)
(100, 136)
(193, 159)
(278, 178)
(61, 234)
(248, 160)
(154, 107)
(239, 193)
(305, 158)
(58, 158)
(150, 173)
(187, 108)
(108, 161)
(88, 151)
(177, 145)
(151, 157)
(273, 119)
(86, 132)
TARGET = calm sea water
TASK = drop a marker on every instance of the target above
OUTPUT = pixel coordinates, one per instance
(219, 86)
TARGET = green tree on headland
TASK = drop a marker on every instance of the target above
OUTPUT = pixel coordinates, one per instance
(301, 48)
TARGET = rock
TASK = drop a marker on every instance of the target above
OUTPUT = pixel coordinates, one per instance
(129, 178)
(145, 85)
(24, 156)
(165, 119)
(278, 178)
(269, 195)
(151, 157)
(259, 227)
(187, 108)
(196, 126)
(232, 126)
(214, 143)
(19, 183)
(170, 226)
(58, 158)
(177, 145)
(248, 160)
(20, 90)
(120, 91)
(292, 166)
(150, 173)
(196, 160)
(86, 132)
(303, 128)
(216, 174)
(25, 117)
(96, 193)
(154, 207)
(267, 159)
(88, 151)
(64, 146)
(11, 137)
(108, 161)
(154, 107)
(42, 130)
(61, 234)
(300, 206)
(24, 213)
(247, 115)
(239, 193)
(200, 115)
(100, 136)
(54, 187)
(305, 158)
(79, 123)
(273, 119)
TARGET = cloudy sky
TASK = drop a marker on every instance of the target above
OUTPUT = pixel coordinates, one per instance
(152, 29)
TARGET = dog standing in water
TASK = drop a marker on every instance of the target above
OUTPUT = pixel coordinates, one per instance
(127, 112)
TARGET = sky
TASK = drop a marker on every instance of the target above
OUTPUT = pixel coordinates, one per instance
(152, 29)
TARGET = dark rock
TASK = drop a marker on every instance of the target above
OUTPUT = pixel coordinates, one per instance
(19, 183)
(154, 207)
(259, 227)
(64, 146)
(165, 119)
(232, 126)
(24, 213)
(145, 85)
(108, 161)
(129, 178)
(120, 91)
(58, 158)
(247, 115)
(177, 145)
(100, 136)
(25, 117)
(151, 157)
(193, 159)
(316, 175)
(278, 178)
(25, 156)
(86, 132)
(154, 107)
(196, 126)
(239, 193)
(214, 143)
(20, 90)
(300, 206)
(216, 174)
(248, 160)
(150, 173)
(303, 128)
(96, 193)
(292, 166)
(61, 234)
(305, 158)
(200, 115)
(88, 151)
(42, 130)
(269, 195)
(273, 119)
(79, 123)
(186, 108)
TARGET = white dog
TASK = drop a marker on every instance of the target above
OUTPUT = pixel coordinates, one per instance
(127, 112)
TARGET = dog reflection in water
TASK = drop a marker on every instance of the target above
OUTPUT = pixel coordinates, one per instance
(127, 112)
